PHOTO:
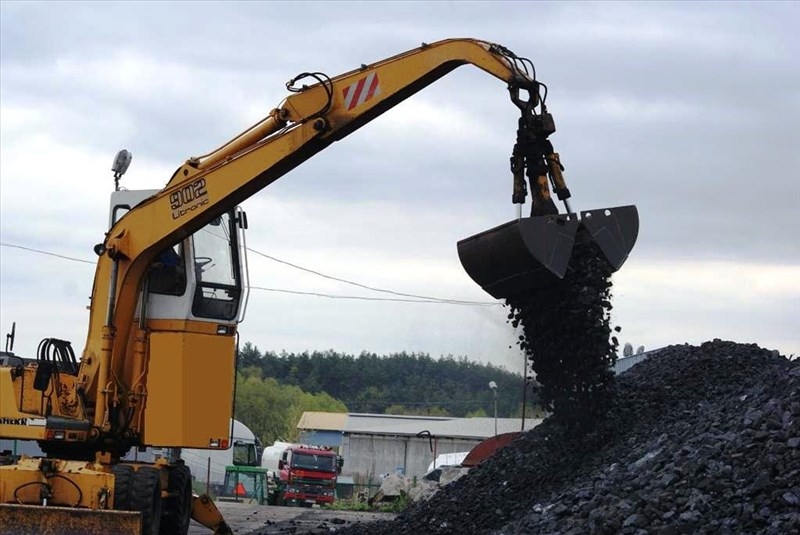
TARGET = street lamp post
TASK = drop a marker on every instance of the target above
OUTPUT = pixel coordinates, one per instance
(493, 387)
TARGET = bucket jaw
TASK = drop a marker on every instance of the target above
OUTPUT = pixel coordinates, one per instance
(614, 230)
(533, 252)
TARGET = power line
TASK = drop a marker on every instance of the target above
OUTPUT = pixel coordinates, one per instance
(357, 297)
(400, 294)
(412, 297)
(46, 253)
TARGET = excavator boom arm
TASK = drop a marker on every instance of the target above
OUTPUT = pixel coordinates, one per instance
(309, 120)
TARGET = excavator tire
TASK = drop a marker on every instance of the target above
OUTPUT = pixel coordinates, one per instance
(146, 498)
(123, 479)
(178, 506)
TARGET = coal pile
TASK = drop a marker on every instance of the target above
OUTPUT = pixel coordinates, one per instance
(695, 440)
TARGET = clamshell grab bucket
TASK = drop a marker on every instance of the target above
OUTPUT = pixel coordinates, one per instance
(532, 252)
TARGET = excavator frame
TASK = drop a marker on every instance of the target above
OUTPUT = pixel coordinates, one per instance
(115, 399)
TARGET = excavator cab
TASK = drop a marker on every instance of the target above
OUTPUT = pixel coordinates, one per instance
(203, 277)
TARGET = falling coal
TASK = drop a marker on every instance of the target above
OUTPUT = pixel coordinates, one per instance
(568, 338)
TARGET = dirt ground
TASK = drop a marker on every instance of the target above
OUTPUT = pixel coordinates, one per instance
(271, 519)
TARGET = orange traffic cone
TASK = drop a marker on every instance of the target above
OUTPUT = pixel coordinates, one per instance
(240, 490)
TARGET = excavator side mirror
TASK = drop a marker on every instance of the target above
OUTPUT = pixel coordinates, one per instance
(10, 338)
(241, 219)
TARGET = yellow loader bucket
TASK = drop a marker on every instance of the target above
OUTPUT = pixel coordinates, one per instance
(533, 252)
(39, 520)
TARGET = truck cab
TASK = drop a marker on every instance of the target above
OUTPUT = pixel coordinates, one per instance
(307, 476)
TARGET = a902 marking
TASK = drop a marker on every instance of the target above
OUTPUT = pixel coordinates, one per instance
(188, 198)
(188, 193)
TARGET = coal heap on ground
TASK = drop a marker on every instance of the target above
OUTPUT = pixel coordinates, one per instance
(696, 440)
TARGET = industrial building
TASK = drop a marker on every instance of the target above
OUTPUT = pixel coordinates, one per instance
(373, 445)
(377, 444)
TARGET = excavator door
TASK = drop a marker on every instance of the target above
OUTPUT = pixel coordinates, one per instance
(533, 252)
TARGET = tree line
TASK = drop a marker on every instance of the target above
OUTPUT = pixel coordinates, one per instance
(273, 390)
(271, 409)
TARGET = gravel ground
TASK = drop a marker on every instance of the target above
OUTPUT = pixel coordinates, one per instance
(246, 519)
(695, 440)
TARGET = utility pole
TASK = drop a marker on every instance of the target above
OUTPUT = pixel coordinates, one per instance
(493, 386)
(524, 387)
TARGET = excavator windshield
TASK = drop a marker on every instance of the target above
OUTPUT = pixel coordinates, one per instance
(216, 265)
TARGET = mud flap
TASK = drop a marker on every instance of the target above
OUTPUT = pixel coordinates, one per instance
(39, 520)
(533, 252)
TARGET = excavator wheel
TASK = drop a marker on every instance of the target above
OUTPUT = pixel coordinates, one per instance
(178, 507)
(146, 498)
(123, 479)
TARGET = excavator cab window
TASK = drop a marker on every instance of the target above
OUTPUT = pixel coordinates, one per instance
(217, 272)
(168, 272)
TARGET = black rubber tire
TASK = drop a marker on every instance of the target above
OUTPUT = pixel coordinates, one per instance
(123, 479)
(178, 506)
(146, 498)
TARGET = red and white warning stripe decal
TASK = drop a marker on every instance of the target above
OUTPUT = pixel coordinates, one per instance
(361, 91)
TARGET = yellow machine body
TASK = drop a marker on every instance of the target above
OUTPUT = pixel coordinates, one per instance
(36, 520)
(81, 502)
(190, 373)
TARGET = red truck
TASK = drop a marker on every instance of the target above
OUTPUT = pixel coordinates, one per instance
(307, 475)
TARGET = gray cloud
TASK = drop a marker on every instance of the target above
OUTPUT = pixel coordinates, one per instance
(689, 110)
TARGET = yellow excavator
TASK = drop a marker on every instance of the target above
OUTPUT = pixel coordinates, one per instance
(170, 288)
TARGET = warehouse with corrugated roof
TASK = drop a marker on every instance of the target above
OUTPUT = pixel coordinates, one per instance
(373, 445)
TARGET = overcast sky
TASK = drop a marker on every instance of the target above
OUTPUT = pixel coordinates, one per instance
(689, 111)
